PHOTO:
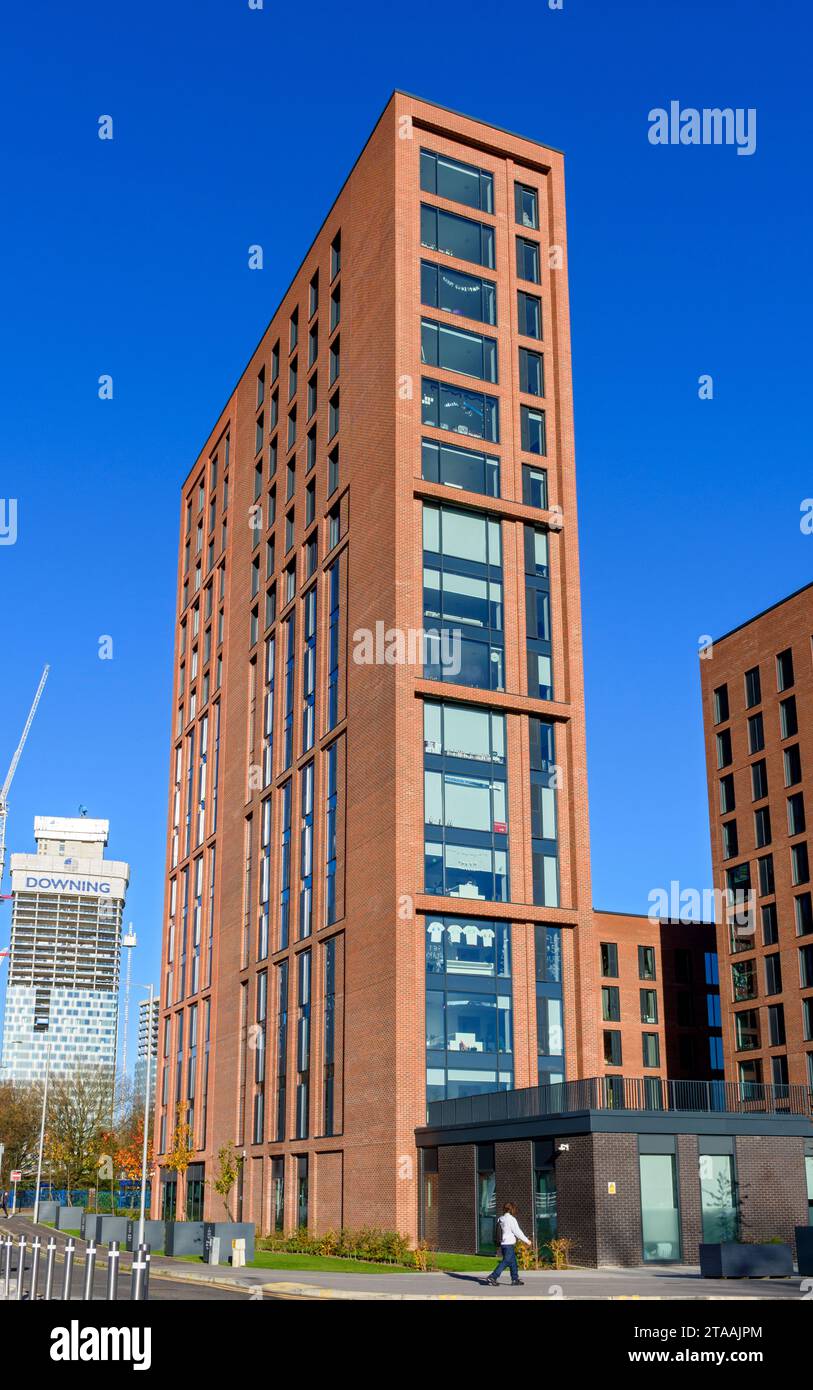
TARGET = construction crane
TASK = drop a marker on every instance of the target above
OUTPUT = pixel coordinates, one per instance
(4, 791)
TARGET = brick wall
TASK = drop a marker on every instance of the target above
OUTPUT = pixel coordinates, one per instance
(457, 1206)
(691, 1222)
(514, 1166)
(575, 1184)
(771, 1175)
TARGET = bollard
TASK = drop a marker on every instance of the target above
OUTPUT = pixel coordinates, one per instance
(139, 1277)
(20, 1267)
(49, 1269)
(70, 1251)
(90, 1269)
(36, 1246)
(7, 1274)
(113, 1271)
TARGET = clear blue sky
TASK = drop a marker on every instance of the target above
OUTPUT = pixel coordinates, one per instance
(235, 126)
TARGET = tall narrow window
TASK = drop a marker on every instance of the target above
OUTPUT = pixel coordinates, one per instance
(282, 1047)
(329, 1047)
(331, 758)
(306, 851)
(303, 1044)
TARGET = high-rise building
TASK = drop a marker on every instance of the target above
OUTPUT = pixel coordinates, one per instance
(147, 1047)
(63, 968)
(378, 861)
(757, 684)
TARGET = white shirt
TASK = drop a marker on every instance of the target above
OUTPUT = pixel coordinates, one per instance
(510, 1232)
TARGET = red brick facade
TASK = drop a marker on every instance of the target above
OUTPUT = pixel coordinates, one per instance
(759, 792)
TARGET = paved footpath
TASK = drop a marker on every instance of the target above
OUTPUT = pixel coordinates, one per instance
(679, 1282)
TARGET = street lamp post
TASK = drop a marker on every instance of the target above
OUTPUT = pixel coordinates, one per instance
(140, 1240)
(42, 1132)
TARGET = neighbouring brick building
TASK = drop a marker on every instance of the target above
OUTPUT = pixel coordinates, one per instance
(757, 685)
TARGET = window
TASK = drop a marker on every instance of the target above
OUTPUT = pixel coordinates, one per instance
(534, 486)
(335, 255)
(335, 307)
(651, 1049)
(531, 376)
(460, 183)
(721, 704)
(799, 865)
(730, 840)
(293, 378)
(333, 470)
(306, 852)
(753, 690)
(334, 359)
(293, 333)
(756, 734)
(537, 613)
(610, 1004)
(766, 874)
(465, 808)
(807, 1021)
(292, 428)
(724, 758)
(462, 598)
(746, 1024)
(486, 1200)
(274, 362)
(796, 814)
(310, 503)
(719, 1201)
(762, 827)
(793, 765)
(469, 1024)
(743, 980)
(313, 295)
(529, 308)
(660, 1216)
(528, 260)
(788, 718)
(646, 962)
(313, 395)
(329, 1031)
(806, 967)
(460, 468)
(334, 527)
(458, 293)
(455, 350)
(526, 207)
(457, 236)
(784, 670)
(532, 430)
(609, 960)
(803, 912)
(612, 1047)
(289, 530)
(463, 412)
(333, 415)
(649, 1006)
(333, 646)
(759, 780)
(550, 1044)
(282, 1051)
(770, 924)
(727, 797)
(313, 344)
(773, 974)
(331, 812)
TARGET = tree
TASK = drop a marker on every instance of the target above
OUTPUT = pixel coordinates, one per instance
(20, 1110)
(76, 1124)
(227, 1169)
(180, 1155)
(130, 1150)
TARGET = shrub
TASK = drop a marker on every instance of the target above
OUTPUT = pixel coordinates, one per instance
(368, 1243)
(561, 1248)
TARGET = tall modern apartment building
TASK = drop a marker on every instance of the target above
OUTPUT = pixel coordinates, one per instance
(378, 860)
(758, 712)
(63, 968)
(147, 1046)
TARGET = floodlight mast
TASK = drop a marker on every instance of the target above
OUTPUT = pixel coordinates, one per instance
(4, 791)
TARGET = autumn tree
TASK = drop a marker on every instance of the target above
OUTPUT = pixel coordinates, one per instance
(180, 1155)
(77, 1122)
(20, 1110)
(226, 1175)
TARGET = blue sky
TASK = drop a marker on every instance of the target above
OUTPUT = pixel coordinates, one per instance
(234, 126)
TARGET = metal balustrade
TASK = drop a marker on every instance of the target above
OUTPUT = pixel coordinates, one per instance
(644, 1093)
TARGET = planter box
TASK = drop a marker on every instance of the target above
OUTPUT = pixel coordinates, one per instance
(155, 1234)
(731, 1260)
(69, 1218)
(111, 1228)
(184, 1238)
(228, 1231)
(48, 1211)
(89, 1226)
(804, 1249)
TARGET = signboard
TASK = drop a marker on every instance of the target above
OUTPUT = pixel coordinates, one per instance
(16, 1176)
(64, 881)
(611, 1188)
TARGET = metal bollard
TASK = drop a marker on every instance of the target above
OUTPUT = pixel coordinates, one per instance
(70, 1251)
(113, 1256)
(36, 1246)
(7, 1273)
(49, 1269)
(20, 1267)
(139, 1276)
(90, 1269)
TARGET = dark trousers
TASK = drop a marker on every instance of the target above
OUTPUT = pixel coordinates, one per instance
(509, 1262)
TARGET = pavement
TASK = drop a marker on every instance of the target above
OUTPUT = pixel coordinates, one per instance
(207, 1281)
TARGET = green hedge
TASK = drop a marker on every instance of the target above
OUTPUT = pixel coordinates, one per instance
(368, 1243)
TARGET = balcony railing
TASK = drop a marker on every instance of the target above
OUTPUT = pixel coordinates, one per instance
(648, 1093)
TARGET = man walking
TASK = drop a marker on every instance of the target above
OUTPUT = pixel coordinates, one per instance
(510, 1233)
(4, 1202)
